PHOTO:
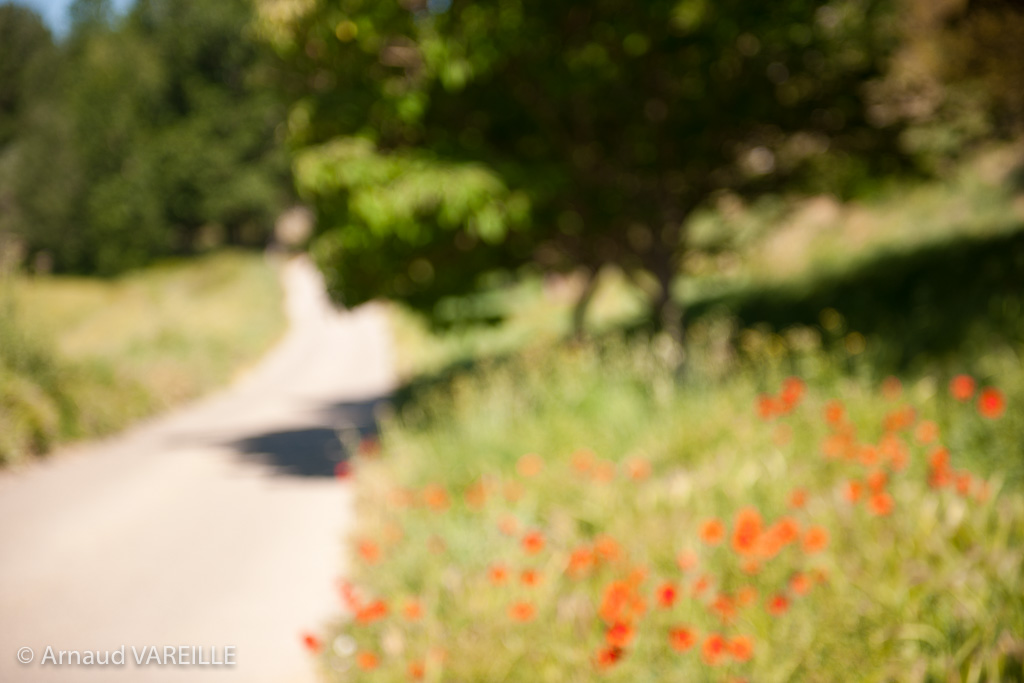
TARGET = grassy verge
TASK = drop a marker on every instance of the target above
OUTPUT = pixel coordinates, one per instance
(575, 513)
(552, 512)
(82, 357)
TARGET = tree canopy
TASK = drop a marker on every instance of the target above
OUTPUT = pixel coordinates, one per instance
(444, 141)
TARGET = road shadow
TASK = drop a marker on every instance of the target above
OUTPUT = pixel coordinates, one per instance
(315, 451)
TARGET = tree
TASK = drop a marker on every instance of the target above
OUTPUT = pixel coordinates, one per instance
(443, 140)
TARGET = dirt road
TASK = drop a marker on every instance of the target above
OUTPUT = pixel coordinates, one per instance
(219, 525)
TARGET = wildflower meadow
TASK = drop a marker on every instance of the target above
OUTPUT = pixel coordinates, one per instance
(579, 516)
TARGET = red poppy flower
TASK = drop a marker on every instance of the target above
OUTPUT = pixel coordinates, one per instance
(741, 648)
(963, 483)
(880, 504)
(412, 610)
(417, 670)
(834, 412)
(619, 634)
(498, 574)
(530, 465)
(367, 661)
(530, 577)
(533, 542)
(521, 611)
(746, 595)
(815, 539)
(608, 656)
(713, 649)
(991, 403)
(607, 548)
(667, 595)
(701, 585)
(312, 643)
(476, 495)
(926, 432)
(746, 531)
(778, 605)
(876, 480)
(686, 559)
(853, 490)
(962, 387)
(800, 584)
(583, 461)
(712, 531)
(369, 551)
(792, 390)
(682, 638)
(435, 497)
(767, 407)
(724, 607)
(580, 560)
(939, 459)
(378, 609)
(797, 498)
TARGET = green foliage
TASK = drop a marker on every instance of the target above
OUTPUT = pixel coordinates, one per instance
(605, 125)
(930, 591)
(150, 134)
(83, 357)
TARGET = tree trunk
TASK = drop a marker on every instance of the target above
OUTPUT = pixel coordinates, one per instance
(579, 311)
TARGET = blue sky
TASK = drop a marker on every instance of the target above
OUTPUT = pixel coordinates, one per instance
(55, 12)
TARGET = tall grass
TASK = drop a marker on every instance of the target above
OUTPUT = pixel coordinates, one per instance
(616, 468)
(81, 357)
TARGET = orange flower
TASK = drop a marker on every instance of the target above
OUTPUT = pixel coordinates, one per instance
(533, 542)
(343, 470)
(371, 612)
(991, 403)
(667, 594)
(412, 610)
(638, 468)
(686, 559)
(853, 490)
(580, 560)
(724, 607)
(962, 387)
(939, 459)
(927, 432)
(369, 551)
(746, 531)
(682, 638)
(713, 649)
(621, 602)
(877, 480)
(607, 657)
(701, 585)
(880, 504)
(417, 670)
(815, 539)
(746, 595)
(521, 611)
(367, 661)
(712, 531)
(741, 648)
(312, 643)
(604, 472)
(583, 461)
(963, 483)
(800, 584)
(834, 412)
(509, 525)
(530, 465)
(797, 498)
(476, 495)
(792, 390)
(750, 566)
(607, 548)
(530, 577)
(498, 574)
(837, 446)
(619, 634)
(778, 605)
(436, 497)
(868, 456)
(767, 408)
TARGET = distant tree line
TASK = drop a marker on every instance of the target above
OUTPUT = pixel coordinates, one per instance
(138, 136)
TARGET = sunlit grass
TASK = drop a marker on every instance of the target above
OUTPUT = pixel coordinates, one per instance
(551, 518)
(85, 356)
